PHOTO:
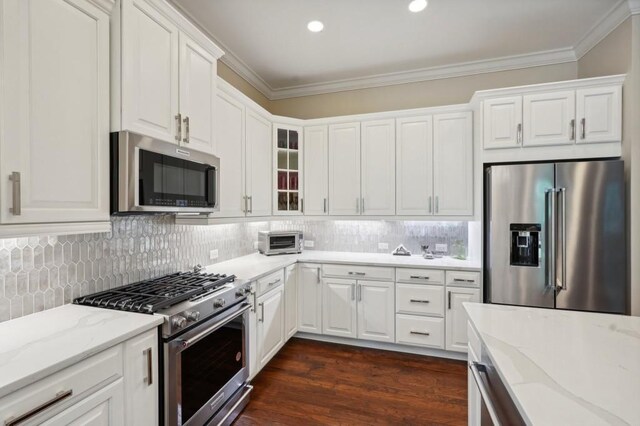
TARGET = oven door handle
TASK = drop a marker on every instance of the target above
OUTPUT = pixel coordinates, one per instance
(185, 343)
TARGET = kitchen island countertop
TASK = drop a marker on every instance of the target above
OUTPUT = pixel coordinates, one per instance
(564, 367)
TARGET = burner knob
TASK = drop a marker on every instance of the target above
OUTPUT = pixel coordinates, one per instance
(192, 315)
(219, 303)
(179, 322)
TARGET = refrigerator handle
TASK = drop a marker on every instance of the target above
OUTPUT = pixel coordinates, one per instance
(563, 233)
(551, 240)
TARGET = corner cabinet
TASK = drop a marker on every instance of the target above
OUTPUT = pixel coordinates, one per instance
(309, 298)
(165, 83)
(54, 94)
(287, 170)
(258, 164)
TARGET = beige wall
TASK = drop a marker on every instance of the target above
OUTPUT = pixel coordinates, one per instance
(619, 53)
(231, 77)
(416, 95)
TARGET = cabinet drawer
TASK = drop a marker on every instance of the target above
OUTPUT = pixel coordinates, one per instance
(419, 276)
(419, 299)
(420, 331)
(271, 281)
(463, 278)
(77, 379)
(356, 272)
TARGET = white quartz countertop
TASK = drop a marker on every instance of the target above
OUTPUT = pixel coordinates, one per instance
(564, 367)
(256, 265)
(37, 345)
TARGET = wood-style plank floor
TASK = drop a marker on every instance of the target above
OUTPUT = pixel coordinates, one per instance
(316, 383)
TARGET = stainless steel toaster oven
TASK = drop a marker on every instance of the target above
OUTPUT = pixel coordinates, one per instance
(280, 242)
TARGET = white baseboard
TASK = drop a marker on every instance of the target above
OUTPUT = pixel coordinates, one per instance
(439, 353)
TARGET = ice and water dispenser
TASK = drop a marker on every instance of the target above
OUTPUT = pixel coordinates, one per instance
(525, 244)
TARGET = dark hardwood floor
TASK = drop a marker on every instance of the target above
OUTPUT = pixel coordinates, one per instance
(316, 383)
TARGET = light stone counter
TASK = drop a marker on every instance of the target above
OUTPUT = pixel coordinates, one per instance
(256, 265)
(564, 367)
(37, 345)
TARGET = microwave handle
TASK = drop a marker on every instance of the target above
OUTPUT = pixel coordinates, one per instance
(212, 181)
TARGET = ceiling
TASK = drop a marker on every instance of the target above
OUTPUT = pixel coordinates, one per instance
(374, 42)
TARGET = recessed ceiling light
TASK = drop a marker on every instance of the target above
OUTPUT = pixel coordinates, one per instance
(315, 26)
(417, 5)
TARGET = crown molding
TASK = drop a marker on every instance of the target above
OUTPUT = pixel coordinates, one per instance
(432, 73)
(609, 22)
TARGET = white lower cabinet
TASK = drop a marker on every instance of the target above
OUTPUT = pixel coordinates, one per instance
(456, 317)
(339, 307)
(290, 301)
(270, 330)
(141, 379)
(103, 407)
(117, 386)
(420, 331)
(309, 298)
(376, 319)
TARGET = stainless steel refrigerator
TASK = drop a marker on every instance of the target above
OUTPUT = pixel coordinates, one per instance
(555, 235)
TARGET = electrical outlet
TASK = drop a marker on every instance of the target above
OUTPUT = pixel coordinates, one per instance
(309, 243)
(383, 246)
(442, 248)
(213, 254)
(255, 245)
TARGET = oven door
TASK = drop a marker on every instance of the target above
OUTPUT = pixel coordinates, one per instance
(206, 366)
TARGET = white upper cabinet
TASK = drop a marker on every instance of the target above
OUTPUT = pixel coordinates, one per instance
(316, 170)
(453, 164)
(166, 84)
(54, 138)
(502, 122)
(230, 149)
(198, 76)
(150, 67)
(344, 169)
(565, 120)
(599, 114)
(287, 170)
(378, 168)
(549, 118)
(414, 166)
(258, 166)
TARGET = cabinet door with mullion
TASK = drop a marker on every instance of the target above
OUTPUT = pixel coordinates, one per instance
(288, 176)
(414, 166)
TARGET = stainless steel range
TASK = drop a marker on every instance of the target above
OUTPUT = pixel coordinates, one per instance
(204, 336)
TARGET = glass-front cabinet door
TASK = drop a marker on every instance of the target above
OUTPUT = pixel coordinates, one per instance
(288, 170)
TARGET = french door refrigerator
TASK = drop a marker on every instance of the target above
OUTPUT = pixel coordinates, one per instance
(555, 235)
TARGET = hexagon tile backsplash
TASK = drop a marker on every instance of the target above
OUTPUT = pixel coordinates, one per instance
(38, 273)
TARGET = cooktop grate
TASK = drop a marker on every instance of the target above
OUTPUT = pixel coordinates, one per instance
(152, 295)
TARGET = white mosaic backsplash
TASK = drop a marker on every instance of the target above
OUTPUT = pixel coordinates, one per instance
(40, 273)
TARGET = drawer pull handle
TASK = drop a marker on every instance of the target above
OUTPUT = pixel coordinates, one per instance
(360, 274)
(149, 354)
(60, 396)
(419, 277)
(274, 282)
(462, 280)
(422, 333)
(418, 301)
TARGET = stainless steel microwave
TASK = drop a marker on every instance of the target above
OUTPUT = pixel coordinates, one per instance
(280, 242)
(154, 176)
